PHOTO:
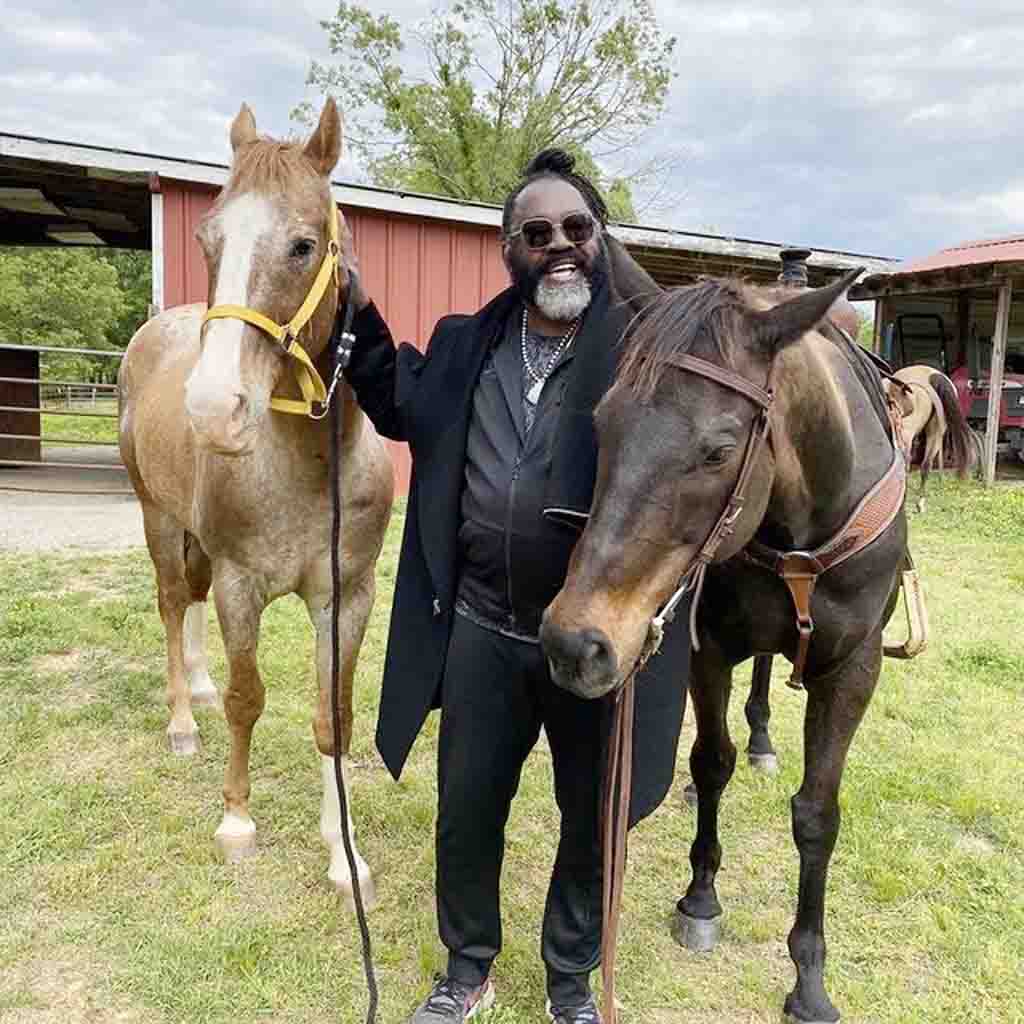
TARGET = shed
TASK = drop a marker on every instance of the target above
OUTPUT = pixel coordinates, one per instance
(963, 298)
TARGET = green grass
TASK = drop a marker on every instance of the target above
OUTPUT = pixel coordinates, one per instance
(71, 427)
(114, 905)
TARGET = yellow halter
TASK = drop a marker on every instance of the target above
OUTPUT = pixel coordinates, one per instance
(310, 382)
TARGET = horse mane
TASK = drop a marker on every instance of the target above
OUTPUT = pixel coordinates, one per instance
(270, 166)
(671, 323)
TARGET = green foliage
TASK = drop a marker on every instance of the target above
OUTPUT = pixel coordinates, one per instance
(503, 80)
(73, 298)
(866, 334)
(135, 277)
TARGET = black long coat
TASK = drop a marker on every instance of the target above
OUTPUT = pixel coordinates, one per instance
(426, 400)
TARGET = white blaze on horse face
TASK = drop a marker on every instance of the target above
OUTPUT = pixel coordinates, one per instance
(215, 386)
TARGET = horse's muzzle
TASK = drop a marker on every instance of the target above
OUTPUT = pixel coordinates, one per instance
(227, 432)
(582, 662)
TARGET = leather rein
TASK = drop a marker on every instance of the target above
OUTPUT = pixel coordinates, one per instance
(799, 570)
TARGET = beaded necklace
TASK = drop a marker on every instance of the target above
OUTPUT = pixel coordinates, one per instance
(541, 375)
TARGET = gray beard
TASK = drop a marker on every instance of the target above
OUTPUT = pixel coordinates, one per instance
(563, 302)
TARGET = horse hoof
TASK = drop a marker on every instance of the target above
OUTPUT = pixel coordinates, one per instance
(766, 764)
(367, 891)
(236, 838)
(690, 795)
(206, 698)
(235, 849)
(697, 934)
(796, 1013)
(184, 744)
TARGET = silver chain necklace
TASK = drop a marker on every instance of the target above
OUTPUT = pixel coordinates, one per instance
(540, 376)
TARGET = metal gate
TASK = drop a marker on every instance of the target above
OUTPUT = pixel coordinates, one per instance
(49, 421)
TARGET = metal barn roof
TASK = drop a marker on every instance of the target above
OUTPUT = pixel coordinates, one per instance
(99, 195)
(979, 264)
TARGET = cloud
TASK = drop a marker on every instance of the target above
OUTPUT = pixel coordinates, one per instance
(890, 126)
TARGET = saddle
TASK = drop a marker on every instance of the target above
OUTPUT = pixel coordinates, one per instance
(800, 570)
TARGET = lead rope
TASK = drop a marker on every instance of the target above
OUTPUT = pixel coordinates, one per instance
(341, 348)
(619, 785)
(619, 769)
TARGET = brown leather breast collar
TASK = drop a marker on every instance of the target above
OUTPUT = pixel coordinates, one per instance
(800, 569)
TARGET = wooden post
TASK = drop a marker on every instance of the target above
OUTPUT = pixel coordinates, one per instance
(995, 380)
(881, 312)
(24, 363)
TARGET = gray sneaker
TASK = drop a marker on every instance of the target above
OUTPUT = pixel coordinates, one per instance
(585, 1013)
(452, 1002)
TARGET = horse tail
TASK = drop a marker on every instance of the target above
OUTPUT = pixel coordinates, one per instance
(959, 449)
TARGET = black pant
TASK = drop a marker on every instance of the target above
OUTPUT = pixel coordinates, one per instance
(496, 695)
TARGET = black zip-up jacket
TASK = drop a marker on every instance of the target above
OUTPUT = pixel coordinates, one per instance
(512, 560)
(426, 399)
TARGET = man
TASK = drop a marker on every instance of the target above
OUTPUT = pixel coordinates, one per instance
(498, 416)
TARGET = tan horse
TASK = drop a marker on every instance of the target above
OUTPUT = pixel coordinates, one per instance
(235, 494)
(931, 410)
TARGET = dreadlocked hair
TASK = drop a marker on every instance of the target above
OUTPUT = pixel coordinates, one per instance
(556, 163)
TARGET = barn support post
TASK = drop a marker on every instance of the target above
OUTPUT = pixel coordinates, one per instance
(878, 337)
(995, 379)
(156, 208)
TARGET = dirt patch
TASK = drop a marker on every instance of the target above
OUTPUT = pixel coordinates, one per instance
(702, 1015)
(50, 664)
(65, 989)
(976, 846)
(58, 508)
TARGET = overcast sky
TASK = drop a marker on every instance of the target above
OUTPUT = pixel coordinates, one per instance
(890, 128)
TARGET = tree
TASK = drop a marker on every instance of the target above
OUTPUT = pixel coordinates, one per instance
(135, 278)
(503, 79)
(73, 298)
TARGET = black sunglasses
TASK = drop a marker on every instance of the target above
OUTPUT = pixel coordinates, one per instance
(538, 232)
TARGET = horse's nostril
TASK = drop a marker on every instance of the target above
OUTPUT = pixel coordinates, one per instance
(595, 647)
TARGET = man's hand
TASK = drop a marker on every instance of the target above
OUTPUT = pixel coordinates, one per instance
(350, 264)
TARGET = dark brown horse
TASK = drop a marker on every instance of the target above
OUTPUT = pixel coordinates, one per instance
(671, 447)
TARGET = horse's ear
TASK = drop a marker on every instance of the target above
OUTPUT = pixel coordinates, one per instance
(324, 147)
(792, 319)
(243, 128)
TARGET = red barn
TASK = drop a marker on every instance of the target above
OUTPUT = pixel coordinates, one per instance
(421, 256)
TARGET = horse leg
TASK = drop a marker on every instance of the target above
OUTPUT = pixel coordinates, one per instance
(712, 761)
(835, 706)
(760, 752)
(239, 607)
(166, 542)
(356, 603)
(198, 576)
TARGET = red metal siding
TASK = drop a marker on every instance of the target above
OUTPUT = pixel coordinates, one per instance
(184, 266)
(417, 270)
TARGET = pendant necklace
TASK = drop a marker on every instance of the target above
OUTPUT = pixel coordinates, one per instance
(540, 376)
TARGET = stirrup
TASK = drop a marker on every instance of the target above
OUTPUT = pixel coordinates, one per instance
(917, 616)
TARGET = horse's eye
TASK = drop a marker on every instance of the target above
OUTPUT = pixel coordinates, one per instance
(719, 456)
(302, 248)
